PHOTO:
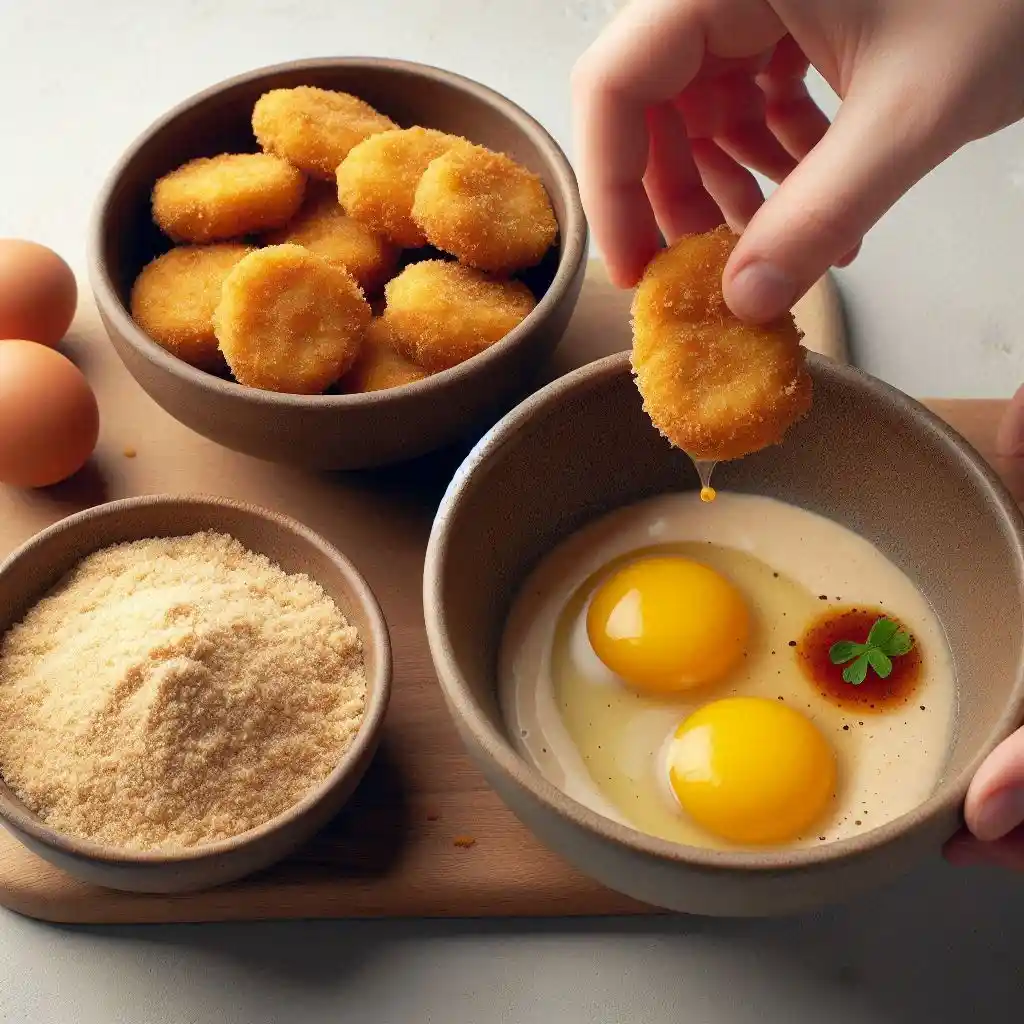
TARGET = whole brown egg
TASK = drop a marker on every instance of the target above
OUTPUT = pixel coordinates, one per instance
(49, 419)
(38, 292)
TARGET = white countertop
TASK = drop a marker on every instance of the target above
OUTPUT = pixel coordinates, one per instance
(934, 307)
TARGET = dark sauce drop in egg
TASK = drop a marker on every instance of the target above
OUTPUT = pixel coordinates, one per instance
(874, 694)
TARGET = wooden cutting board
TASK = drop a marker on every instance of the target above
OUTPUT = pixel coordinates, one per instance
(424, 836)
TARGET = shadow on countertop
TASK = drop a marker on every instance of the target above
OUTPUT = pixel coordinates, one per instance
(941, 945)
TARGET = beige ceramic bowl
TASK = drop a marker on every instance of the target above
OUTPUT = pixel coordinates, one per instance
(582, 447)
(35, 567)
(335, 431)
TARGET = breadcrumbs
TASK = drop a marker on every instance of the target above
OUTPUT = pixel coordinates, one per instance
(175, 692)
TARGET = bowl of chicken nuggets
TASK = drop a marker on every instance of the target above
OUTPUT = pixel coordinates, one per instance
(339, 263)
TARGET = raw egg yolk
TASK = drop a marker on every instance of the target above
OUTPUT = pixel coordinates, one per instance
(664, 623)
(751, 770)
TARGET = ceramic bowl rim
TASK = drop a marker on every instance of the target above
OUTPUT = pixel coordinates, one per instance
(574, 240)
(377, 697)
(515, 769)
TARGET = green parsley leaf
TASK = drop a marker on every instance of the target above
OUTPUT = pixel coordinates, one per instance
(844, 651)
(857, 671)
(882, 632)
(885, 642)
(900, 643)
(879, 661)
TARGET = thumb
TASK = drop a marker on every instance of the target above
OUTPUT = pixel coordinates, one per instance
(880, 144)
(995, 800)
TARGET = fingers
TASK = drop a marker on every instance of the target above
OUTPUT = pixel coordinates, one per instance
(879, 145)
(995, 801)
(672, 181)
(733, 187)
(648, 54)
(964, 850)
(1010, 436)
(730, 108)
(793, 117)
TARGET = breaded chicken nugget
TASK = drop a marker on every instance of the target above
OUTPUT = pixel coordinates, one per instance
(174, 297)
(377, 180)
(290, 321)
(314, 128)
(484, 208)
(379, 367)
(321, 226)
(441, 313)
(217, 198)
(714, 386)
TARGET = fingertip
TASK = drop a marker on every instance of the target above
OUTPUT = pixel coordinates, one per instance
(623, 276)
(963, 850)
(758, 291)
(846, 260)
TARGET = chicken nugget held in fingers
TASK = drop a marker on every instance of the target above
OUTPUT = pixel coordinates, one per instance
(712, 385)
(290, 321)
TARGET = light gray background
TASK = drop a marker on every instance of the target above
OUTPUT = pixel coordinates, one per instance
(935, 306)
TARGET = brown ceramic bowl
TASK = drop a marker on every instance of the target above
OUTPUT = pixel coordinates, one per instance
(35, 567)
(582, 447)
(335, 431)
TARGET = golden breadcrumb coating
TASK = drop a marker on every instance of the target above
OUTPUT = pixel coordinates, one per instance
(217, 198)
(441, 313)
(377, 180)
(314, 129)
(484, 208)
(174, 297)
(714, 386)
(379, 366)
(321, 226)
(289, 321)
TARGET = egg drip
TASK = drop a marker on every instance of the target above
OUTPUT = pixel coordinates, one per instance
(705, 467)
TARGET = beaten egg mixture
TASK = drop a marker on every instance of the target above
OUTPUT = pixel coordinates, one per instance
(651, 670)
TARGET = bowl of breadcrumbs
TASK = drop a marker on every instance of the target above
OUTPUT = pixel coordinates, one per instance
(190, 688)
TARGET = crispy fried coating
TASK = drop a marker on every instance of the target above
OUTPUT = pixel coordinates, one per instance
(174, 298)
(321, 226)
(314, 129)
(289, 321)
(484, 208)
(715, 387)
(214, 199)
(377, 180)
(441, 313)
(379, 366)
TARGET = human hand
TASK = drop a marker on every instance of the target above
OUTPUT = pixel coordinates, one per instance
(995, 801)
(677, 98)
(995, 811)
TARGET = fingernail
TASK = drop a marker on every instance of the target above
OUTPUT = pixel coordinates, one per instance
(1000, 813)
(761, 291)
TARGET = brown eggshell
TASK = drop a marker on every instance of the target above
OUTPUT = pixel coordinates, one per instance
(38, 292)
(49, 419)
